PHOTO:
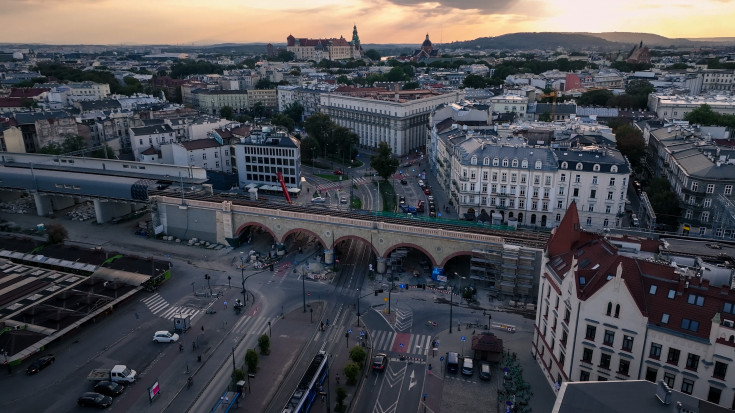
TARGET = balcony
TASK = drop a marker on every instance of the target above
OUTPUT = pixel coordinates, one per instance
(464, 179)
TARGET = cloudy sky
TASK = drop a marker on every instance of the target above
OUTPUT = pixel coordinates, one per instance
(378, 21)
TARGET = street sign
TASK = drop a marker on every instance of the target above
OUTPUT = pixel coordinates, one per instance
(464, 338)
(441, 358)
(401, 344)
(349, 331)
(402, 285)
(362, 332)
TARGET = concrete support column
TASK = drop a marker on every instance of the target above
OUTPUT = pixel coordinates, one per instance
(98, 211)
(381, 265)
(329, 257)
(43, 204)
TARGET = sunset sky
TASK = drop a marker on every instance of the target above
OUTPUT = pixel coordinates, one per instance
(378, 21)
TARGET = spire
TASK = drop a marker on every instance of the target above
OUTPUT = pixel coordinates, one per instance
(355, 37)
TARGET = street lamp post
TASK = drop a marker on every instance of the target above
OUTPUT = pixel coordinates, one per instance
(303, 283)
(358, 307)
(270, 333)
(242, 273)
(207, 277)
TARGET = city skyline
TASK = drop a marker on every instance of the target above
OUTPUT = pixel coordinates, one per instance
(395, 21)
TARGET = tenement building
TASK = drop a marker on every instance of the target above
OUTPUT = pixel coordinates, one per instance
(398, 118)
(701, 171)
(514, 183)
(606, 312)
(675, 107)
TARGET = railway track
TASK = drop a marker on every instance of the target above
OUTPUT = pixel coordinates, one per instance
(534, 239)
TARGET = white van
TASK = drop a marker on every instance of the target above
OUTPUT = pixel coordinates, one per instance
(467, 368)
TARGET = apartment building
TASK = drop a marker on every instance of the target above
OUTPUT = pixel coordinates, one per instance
(701, 171)
(509, 103)
(398, 118)
(606, 315)
(150, 138)
(212, 101)
(207, 154)
(267, 97)
(515, 183)
(675, 107)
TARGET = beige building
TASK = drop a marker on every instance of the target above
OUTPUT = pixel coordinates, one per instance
(268, 97)
(329, 49)
(399, 118)
(675, 107)
(212, 101)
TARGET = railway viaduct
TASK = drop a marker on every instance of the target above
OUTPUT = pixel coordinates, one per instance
(518, 259)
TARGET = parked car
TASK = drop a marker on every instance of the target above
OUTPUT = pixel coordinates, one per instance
(94, 400)
(467, 368)
(380, 361)
(485, 371)
(109, 388)
(338, 172)
(41, 363)
(404, 182)
(165, 337)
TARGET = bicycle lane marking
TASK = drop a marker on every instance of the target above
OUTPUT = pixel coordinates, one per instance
(401, 342)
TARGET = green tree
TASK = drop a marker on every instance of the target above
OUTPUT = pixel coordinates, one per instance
(396, 75)
(341, 396)
(703, 115)
(73, 143)
(383, 162)
(352, 370)
(629, 141)
(251, 360)
(639, 87)
(474, 81)
(257, 110)
(238, 375)
(264, 84)
(51, 148)
(264, 343)
(664, 201)
(373, 54)
(226, 112)
(319, 126)
(105, 152)
(358, 355)
(283, 120)
(56, 233)
(344, 80)
(294, 111)
(544, 117)
(285, 56)
(598, 97)
(411, 86)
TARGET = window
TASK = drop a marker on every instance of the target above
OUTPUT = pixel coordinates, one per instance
(589, 220)
(547, 180)
(605, 361)
(587, 355)
(651, 374)
(609, 338)
(538, 164)
(591, 332)
(617, 311)
(707, 202)
(584, 375)
(577, 179)
(612, 181)
(505, 162)
(728, 189)
(594, 180)
(591, 208)
(670, 379)
(695, 186)
(665, 318)
(515, 163)
(593, 193)
(720, 370)
(579, 167)
(624, 367)
(496, 161)
(687, 386)
(690, 325)
(563, 178)
(714, 395)
(653, 289)
(564, 165)
(609, 195)
(673, 356)
(627, 343)
(671, 294)
(655, 352)
(575, 192)
(692, 362)
(710, 188)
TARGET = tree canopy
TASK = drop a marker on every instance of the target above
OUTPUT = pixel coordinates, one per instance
(704, 115)
(664, 201)
(383, 162)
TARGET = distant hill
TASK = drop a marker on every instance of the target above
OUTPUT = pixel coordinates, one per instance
(606, 41)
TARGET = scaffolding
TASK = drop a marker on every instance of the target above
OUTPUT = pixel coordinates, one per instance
(723, 222)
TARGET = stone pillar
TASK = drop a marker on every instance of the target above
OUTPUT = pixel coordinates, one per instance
(329, 257)
(381, 265)
(98, 211)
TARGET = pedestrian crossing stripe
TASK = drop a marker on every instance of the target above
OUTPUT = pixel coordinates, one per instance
(385, 340)
(160, 307)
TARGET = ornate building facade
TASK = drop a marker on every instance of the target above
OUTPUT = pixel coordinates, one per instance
(329, 49)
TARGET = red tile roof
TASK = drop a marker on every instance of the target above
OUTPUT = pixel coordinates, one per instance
(200, 144)
(27, 92)
(11, 103)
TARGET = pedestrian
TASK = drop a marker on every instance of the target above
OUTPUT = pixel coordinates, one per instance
(336, 377)
(225, 305)
(321, 326)
(327, 322)
(202, 329)
(181, 347)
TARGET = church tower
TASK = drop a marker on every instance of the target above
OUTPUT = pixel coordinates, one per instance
(355, 43)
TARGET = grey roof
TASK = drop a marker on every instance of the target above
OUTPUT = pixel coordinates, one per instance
(104, 104)
(28, 118)
(153, 122)
(639, 396)
(697, 164)
(604, 156)
(151, 130)
(602, 112)
(561, 108)
(489, 146)
(221, 92)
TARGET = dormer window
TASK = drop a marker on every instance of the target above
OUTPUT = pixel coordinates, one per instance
(496, 161)
(524, 164)
(505, 162)
(486, 161)
(538, 164)
(579, 166)
(473, 161)
(564, 165)
(515, 163)
(614, 168)
(596, 168)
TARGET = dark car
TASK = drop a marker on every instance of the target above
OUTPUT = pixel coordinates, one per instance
(41, 363)
(95, 400)
(404, 182)
(109, 388)
(379, 362)
(401, 200)
(338, 172)
(427, 191)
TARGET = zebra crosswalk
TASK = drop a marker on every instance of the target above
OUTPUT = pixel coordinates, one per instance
(416, 344)
(160, 307)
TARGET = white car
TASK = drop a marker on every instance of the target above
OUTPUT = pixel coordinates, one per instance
(318, 200)
(165, 337)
